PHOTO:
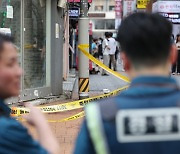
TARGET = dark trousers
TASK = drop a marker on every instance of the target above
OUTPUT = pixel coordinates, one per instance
(176, 66)
(112, 61)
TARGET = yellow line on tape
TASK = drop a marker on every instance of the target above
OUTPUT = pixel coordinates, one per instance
(16, 111)
(120, 76)
(74, 117)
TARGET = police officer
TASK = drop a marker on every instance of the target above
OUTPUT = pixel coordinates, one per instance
(145, 118)
(14, 138)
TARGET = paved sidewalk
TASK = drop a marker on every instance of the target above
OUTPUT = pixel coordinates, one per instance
(99, 82)
(66, 132)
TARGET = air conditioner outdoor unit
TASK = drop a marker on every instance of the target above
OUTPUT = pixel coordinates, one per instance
(62, 3)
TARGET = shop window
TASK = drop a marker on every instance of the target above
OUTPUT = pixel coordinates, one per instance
(104, 24)
(99, 24)
(99, 8)
(111, 8)
(110, 24)
(10, 20)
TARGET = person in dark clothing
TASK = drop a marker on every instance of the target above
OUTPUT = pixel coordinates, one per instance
(176, 66)
(14, 137)
(142, 119)
(100, 48)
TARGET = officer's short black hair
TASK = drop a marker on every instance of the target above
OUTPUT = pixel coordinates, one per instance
(3, 39)
(146, 39)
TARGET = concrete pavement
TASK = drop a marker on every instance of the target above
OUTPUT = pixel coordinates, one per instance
(66, 132)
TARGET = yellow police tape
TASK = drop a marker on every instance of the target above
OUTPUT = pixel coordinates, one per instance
(77, 116)
(97, 62)
(17, 111)
(74, 117)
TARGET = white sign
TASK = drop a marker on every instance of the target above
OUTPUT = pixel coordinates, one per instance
(6, 31)
(155, 7)
(57, 28)
(9, 11)
(129, 6)
(167, 6)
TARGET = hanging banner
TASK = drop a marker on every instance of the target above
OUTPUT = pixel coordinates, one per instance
(142, 4)
(118, 8)
(118, 12)
(129, 6)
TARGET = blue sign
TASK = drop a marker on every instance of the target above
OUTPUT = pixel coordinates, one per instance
(74, 13)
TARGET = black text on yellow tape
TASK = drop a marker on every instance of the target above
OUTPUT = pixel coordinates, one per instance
(83, 85)
(73, 117)
(66, 106)
(100, 64)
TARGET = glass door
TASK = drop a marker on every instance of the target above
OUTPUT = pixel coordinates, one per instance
(34, 44)
(28, 21)
(36, 59)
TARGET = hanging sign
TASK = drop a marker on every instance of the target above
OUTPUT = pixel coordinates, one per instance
(74, 13)
(142, 4)
(118, 12)
(129, 6)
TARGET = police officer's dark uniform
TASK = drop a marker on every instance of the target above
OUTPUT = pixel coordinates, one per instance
(132, 133)
(14, 138)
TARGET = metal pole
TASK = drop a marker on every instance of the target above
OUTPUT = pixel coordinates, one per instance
(83, 29)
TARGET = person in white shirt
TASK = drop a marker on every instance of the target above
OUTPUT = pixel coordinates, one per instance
(112, 45)
(106, 49)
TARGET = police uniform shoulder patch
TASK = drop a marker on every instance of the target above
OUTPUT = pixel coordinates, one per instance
(148, 125)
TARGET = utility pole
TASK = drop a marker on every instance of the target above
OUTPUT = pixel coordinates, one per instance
(83, 29)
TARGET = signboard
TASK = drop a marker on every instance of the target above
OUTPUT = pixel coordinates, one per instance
(169, 9)
(142, 4)
(129, 6)
(97, 15)
(78, 1)
(74, 13)
(167, 6)
(118, 8)
(90, 29)
(118, 12)
(173, 17)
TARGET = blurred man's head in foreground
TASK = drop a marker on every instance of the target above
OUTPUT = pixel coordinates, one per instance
(146, 44)
(10, 72)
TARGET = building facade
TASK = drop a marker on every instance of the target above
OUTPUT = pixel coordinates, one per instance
(37, 27)
(102, 16)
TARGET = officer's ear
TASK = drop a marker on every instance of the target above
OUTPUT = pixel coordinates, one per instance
(173, 54)
(126, 61)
